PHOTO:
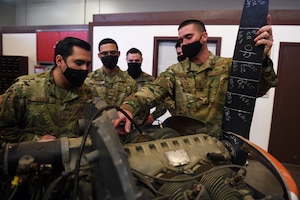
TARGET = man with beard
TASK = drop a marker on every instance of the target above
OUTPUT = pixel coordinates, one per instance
(110, 83)
(198, 85)
(48, 105)
(43, 107)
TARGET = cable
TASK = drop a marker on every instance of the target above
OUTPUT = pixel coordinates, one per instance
(192, 177)
(51, 187)
(84, 138)
(130, 119)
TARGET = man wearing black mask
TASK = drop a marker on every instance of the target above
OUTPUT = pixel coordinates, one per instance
(48, 105)
(110, 83)
(180, 56)
(43, 107)
(134, 61)
(198, 84)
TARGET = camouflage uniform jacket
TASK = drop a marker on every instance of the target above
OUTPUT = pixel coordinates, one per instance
(111, 88)
(142, 80)
(198, 90)
(34, 106)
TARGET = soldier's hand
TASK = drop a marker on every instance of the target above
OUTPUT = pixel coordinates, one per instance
(149, 120)
(47, 137)
(122, 119)
(265, 37)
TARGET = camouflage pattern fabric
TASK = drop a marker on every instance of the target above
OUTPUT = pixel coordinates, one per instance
(142, 80)
(113, 89)
(34, 106)
(198, 90)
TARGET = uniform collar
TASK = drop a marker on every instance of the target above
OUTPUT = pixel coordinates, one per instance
(58, 92)
(117, 70)
(141, 77)
(208, 64)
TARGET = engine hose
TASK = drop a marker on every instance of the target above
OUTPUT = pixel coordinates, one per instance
(219, 187)
(176, 189)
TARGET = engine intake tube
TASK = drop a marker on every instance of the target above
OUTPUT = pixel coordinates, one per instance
(46, 152)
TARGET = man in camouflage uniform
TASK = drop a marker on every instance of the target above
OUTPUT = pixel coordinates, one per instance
(180, 56)
(42, 107)
(199, 83)
(134, 61)
(110, 83)
(48, 105)
(169, 103)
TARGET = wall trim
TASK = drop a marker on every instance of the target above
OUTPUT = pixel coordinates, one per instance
(211, 17)
(33, 29)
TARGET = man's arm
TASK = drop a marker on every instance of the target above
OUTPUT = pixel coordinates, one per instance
(159, 111)
(10, 115)
(13, 118)
(268, 77)
(150, 95)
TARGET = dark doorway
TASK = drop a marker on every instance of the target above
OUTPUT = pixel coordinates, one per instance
(285, 135)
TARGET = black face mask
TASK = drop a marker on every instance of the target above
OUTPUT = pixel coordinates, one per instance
(191, 50)
(134, 70)
(75, 77)
(181, 58)
(110, 61)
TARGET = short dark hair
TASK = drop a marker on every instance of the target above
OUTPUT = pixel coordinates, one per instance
(65, 47)
(134, 50)
(177, 44)
(199, 24)
(107, 41)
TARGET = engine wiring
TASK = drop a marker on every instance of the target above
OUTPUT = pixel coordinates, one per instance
(142, 177)
(85, 136)
(192, 177)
